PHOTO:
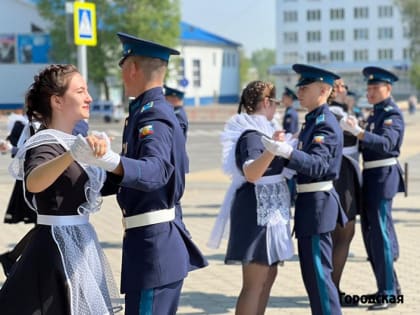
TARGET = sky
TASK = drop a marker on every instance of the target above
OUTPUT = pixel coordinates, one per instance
(247, 22)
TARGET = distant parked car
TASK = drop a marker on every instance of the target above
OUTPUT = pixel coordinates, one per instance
(106, 110)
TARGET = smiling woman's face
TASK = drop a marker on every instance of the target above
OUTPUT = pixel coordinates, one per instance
(76, 99)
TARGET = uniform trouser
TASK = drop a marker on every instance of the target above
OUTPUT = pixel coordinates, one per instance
(291, 183)
(381, 243)
(315, 257)
(162, 300)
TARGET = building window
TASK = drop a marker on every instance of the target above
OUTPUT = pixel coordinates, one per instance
(361, 55)
(313, 15)
(385, 54)
(181, 68)
(407, 53)
(337, 14)
(406, 31)
(337, 55)
(313, 36)
(385, 11)
(290, 16)
(361, 34)
(196, 73)
(361, 13)
(337, 35)
(385, 33)
(290, 57)
(290, 37)
(313, 56)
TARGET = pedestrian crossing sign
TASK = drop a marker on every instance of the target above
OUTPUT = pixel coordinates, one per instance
(84, 18)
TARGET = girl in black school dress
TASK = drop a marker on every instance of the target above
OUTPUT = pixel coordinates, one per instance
(17, 209)
(258, 201)
(63, 269)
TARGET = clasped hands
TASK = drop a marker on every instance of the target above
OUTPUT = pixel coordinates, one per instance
(95, 150)
(351, 125)
(278, 145)
(5, 146)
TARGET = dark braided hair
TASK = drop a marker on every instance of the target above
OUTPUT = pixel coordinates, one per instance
(53, 80)
(254, 93)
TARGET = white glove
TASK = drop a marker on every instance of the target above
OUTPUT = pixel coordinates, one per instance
(351, 125)
(279, 148)
(82, 152)
(110, 160)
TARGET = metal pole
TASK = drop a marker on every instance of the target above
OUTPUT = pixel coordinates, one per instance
(82, 59)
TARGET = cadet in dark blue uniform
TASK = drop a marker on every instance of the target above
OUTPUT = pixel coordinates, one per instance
(290, 118)
(158, 252)
(348, 187)
(382, 178)
(175, 97)
(317, 162)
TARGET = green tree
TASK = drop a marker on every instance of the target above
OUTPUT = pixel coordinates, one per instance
(245, 65)
(262, 60)
(152, 20)
(411, 12)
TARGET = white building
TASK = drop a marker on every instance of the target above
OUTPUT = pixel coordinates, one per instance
(23, 50)
(208, 67)
(344, 37)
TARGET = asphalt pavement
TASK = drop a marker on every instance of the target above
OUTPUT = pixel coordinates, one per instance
(214, 290)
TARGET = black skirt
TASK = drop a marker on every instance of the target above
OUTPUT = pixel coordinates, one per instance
(37, 282)
(349, 190)
(17, 209)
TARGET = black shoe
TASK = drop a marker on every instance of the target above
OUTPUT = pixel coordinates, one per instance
(7, 263)
(380, 306)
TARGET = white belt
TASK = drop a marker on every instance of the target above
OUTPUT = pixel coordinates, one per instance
(149, 218)
(351, 150)
(379, 163)
(312, 187)
(62, 219)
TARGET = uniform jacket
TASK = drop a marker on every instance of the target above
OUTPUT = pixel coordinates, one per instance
(181, 115)
(154, 161)
(290, 120)
(383, 139)
(318, 158)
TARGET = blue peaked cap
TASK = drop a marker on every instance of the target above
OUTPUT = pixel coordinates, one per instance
(375, 75)
(134, 46)
(290, 93)
(310, 74)
(168, 91)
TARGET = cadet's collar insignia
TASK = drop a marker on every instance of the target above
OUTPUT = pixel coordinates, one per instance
(177, 110)
(146, 107)
(388, 108)
(318, 139)
(300, 146)
(320, 119)
(388, 122)
(146, 131)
